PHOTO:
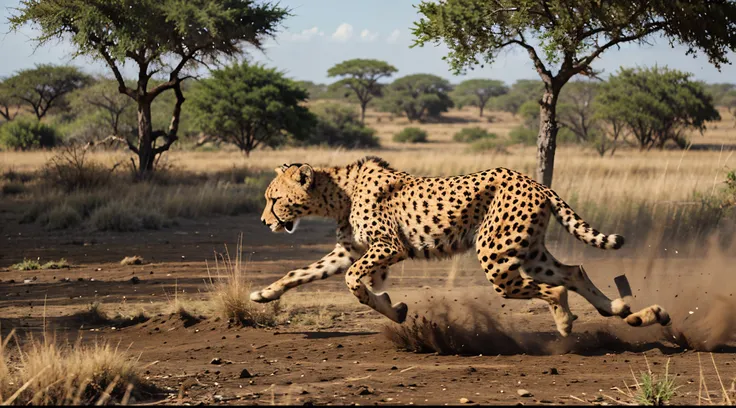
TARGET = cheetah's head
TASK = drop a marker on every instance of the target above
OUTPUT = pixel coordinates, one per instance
(289, 197)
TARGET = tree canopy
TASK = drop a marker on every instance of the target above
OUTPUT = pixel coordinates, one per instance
(45, 86)
(361, 77)
(563, 38)
(418, 96)
(249, 106)
(477, 92)
(657, 105)
(161, 37)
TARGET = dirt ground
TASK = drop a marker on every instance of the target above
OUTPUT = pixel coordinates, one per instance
(351, 360)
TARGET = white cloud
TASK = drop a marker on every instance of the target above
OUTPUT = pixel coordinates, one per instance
(304, 35)
(393, 37)
(343, 33)
(368, 36)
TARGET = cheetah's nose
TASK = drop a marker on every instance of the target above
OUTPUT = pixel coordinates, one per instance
(263, 221)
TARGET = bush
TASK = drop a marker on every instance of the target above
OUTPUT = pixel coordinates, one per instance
(27, 134)
(411, 135)
(469, 135)
(488, 145)
(339, 126)
(523, 135)
(71, 170)
(61, 217)
(122, 217)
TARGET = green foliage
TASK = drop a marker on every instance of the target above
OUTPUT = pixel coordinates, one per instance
(471, 134)
(411, 135)
(27, 265)
(522, 91)
(101, 110)
(479, 28)
(249, 106)
(418, 96)
(656, 104)
(338, 126)
(719, 92)
(488, 145)
(169, 36)
(523, 135)
(27, 134)
(361, 78)
(10, 104)
(477, 92)
(45, 87)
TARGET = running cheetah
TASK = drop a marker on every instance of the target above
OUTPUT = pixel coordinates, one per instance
(385, 216)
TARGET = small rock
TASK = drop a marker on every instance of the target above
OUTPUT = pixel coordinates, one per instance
(135, 280)
(523, 393)
(366, 390)
(216, 361)
(553, 371)
(245, 374)
(465, 401)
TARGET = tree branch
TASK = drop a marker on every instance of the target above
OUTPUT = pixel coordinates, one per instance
(585, 62)
(114, 138)
(122, 88)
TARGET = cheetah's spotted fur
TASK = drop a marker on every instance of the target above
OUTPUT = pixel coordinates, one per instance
(385, 216)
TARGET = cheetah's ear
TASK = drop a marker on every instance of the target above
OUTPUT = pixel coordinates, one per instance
(280, 170)
(304, 176)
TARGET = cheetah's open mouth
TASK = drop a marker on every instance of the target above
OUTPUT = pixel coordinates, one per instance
(290, 226)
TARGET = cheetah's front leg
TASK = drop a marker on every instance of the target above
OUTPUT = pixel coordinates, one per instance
(376, 261)
(336, 262)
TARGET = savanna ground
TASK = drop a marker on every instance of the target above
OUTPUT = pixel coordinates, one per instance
(318, 344)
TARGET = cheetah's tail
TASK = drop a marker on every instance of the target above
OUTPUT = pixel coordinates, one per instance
(579, 228)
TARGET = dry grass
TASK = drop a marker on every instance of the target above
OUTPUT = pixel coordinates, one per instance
(230, 290)
(41, 372)
(32, 265)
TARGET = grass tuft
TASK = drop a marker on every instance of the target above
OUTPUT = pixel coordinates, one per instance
(132, 260)
(230, 292)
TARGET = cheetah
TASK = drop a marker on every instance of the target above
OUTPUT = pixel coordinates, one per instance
(385, 216)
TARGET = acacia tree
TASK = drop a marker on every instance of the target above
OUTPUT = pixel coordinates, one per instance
(160, 37)
(570, 36)
(361, 77)
(249, 106)
(10, 105)
(477, 92)
(577, 110)
(418, 96)
(657, 105)
(44, 87)
(103, 99)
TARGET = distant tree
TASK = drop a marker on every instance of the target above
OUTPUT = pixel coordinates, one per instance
(719, 91)
(657, 105)
(249, 106)
(519, 93)
(477, 92)
(361, 77)
(577, 109)
(418, 96)
(166, 37)
(315, 91)
(729, 102)
(570, 36)
(10, 104)
(45, 86)
(103, 100)
(338, 125)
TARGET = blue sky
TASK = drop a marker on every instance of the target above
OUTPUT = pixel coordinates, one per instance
(324, 32)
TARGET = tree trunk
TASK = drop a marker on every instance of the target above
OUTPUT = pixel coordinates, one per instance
(146, 154)
(547, 139)
(481, 110)
(363, 106)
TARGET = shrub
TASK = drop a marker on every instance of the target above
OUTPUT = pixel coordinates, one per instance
(27, 134)
(411, 135)
(12, 188)
(123, 216)
(469, 135)
(60, 217)
(488, 145)
(339, 126)
(71, 170)
(523, 135)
